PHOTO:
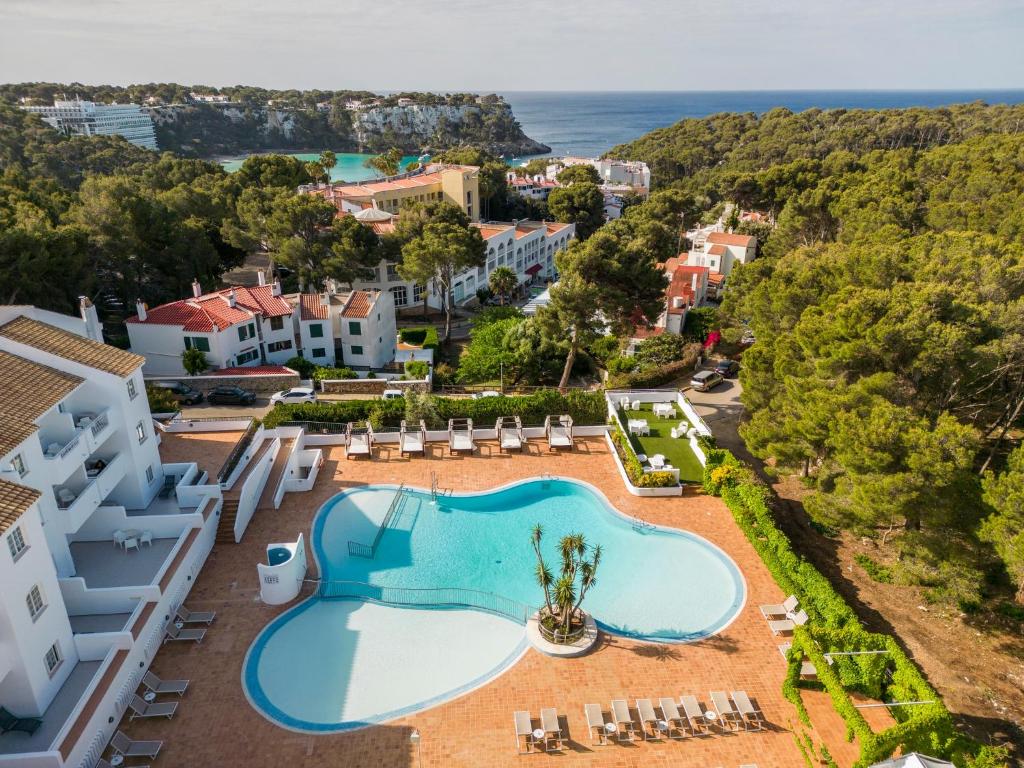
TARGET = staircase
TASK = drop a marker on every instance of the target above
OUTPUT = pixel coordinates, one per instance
(226, 525)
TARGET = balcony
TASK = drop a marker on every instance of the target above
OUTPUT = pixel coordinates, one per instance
(102, 565)
(69, 438)
(83, 493)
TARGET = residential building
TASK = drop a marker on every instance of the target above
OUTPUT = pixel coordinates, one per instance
(354, 328)
(720, 251)
(81, 619)
(458, 184)
(86, 118)
(687, 288)
(248, 326)
(628, 173)
(535, 187)
(526, 247)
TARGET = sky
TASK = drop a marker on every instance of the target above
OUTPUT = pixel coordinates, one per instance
(448, 45)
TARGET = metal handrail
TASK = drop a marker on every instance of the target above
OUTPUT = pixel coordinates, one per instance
(369, 550)
(236, 453)
(443, 597)
(100, 424)
(69, 447)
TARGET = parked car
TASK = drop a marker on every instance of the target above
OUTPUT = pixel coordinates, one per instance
(391, 394)
(294, 395)
(748, 337)
(231, 396)
(486, 393)
(706, 380)
(182, 393)
(727, 368)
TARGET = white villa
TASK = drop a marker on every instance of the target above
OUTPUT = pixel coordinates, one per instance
(82, 617)
(255, 326)
(720, 251)
(614, 173)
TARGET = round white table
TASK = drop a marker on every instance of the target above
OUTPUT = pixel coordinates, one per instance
(149, 696)
(117, 760)
(538, 734)
(663, 726)
(610, 728)
(711, 716)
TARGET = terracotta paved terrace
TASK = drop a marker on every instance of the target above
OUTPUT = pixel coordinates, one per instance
(215, 725)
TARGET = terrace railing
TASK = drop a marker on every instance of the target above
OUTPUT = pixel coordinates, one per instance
(237, 452)
(358, 549)
(443, 597)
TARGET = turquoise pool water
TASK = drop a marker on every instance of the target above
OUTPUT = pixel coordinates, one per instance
(350, 165)
(336, 664)
(277, 555)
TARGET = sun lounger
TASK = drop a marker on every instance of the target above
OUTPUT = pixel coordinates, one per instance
(624, 720)
(645, 710)
(122, 745)
(788, 625)
(807, 668)
(156, 685)
(173, 632)
(752, 717)
(670, 714)
(412, 440)
(524, 731)
(195, 617)
(787, 607)
(9, 722)
(460, 436)
(552, 729)
(728, 718)
(558, 430)
(694, 714)
(140, 708)
(596, 722)
(358, 439)
(101, 763)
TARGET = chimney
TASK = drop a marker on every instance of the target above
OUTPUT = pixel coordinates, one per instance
(90, 318)
(693, 283)
(141, 309)
(275, 289)
(325, 299)
(232, 298)
(197, 290)
(261, 277)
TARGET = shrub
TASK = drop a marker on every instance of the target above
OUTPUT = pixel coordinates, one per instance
(489, 315)
(662, 349)
(305, 368)
(326, 374)
(634, 469)
(877, 571)
(416, 369)
(194, 361)
(161, 400)
(649, 377)
(621, 364)
(420, 406)
(443, 374)
(423, 336)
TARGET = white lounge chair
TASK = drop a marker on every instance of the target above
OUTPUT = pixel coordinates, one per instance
(624, 720)
(670, 714)
(657, 461)
(728, 718)
(510, 434)
(558, 430)
(195, 617)
(460, 436)
(146, 538)
(645, 710)
(141, 708)
(807, 668)
(752, 716)
(173, 632)
(552, 729)
(101, 763)
(694, 714)
(412, 440)
(787, 606)
(132, 542)
(122, 745)
(788, 625)
(358, 440)
(524, 732)
(596, 722)
(156, 685)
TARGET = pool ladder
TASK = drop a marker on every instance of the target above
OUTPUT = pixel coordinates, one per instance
(642, 525)
(435, 489)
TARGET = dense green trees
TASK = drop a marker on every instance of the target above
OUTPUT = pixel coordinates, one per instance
(1005, 527)
(581, 204)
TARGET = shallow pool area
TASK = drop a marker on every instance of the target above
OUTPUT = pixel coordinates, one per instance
(330, 664)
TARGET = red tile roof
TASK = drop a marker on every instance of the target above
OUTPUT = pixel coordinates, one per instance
(554, 227)
(360, 305)
(311, 308)
(260, 299)
(725, 238)
(715, 278)
(717, 250)
(255, 370)
(645, 332)
(211, 311)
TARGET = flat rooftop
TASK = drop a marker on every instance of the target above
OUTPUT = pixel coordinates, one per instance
(102, 564)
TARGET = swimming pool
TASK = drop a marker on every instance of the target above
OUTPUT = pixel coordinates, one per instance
(331, 664)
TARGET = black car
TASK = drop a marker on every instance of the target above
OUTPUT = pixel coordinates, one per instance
(231, 396)
(727, 368)
(181, 393)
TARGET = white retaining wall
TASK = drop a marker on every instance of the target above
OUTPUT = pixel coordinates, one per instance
(252, 488)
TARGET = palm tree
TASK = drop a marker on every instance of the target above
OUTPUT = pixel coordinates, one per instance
(502, 281)
(327, 161)
(544, 577)
(564, 596)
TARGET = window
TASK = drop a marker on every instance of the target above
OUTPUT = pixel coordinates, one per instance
(417, 292)
(53, 659)
(132, 392)
(401, 295)
(149, 475)
(140, 432)
(200, 342)
(246, 357)
(34, 601)
(278, 346)
(16, 542)
(316, 330)
(355, 328)
(19, 465)
(319, 352)
(393, 275)
(246, 331)
(356, 349)
(276, 323)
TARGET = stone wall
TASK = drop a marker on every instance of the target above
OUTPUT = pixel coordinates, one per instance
(262, 385)
(370, 386)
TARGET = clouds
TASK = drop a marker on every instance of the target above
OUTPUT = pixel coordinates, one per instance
(529, 44)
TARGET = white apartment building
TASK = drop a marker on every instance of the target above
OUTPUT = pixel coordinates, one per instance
(720, 251)
(81, 618)
(526, 247)
(628, 173)
(356, 329)
(85, 118)
(535, 187)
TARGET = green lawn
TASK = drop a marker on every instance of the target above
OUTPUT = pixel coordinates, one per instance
(676, 451)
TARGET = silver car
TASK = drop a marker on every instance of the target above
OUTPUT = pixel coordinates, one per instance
(294, 395)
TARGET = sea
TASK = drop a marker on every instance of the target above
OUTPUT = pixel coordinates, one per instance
(589, 123)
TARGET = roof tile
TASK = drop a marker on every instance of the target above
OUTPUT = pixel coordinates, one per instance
(14, 502)
(71, 346)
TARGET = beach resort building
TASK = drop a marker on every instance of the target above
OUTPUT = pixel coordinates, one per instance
(631, 174)
(458, 184)
(86, 118)
(720, 251)
(535, 187)
(101, 539)
(258, 326)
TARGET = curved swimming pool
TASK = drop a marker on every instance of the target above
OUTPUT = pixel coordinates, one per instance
(335, 664)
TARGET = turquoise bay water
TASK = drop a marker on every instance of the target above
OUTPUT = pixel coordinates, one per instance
(652, 583)
(350, 165)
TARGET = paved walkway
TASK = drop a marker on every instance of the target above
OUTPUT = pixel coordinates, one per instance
(215, 725)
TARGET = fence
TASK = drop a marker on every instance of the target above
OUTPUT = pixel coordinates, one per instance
(443, 597)
(236, 453)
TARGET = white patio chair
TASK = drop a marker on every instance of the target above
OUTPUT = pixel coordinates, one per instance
(635, 405)
(119, 536)
(657, 461)
(146, 538)
(130, 543)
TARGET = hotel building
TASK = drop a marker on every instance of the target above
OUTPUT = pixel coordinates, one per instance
(85, 118)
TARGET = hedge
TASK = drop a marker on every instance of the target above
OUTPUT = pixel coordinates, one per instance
(329, 374)
(423, 336)
(584, 407)
(634, 469)
(656, 376)
(834, 625)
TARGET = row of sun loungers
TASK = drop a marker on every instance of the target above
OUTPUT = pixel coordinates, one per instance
(669, 719)
(784, 617)
(177, 629)
(140, 707)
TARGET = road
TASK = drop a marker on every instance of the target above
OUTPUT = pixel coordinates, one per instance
(721, 410)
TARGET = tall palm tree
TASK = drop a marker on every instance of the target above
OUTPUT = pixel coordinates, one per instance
(544, 577)
(327, 161)
(502, 281)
